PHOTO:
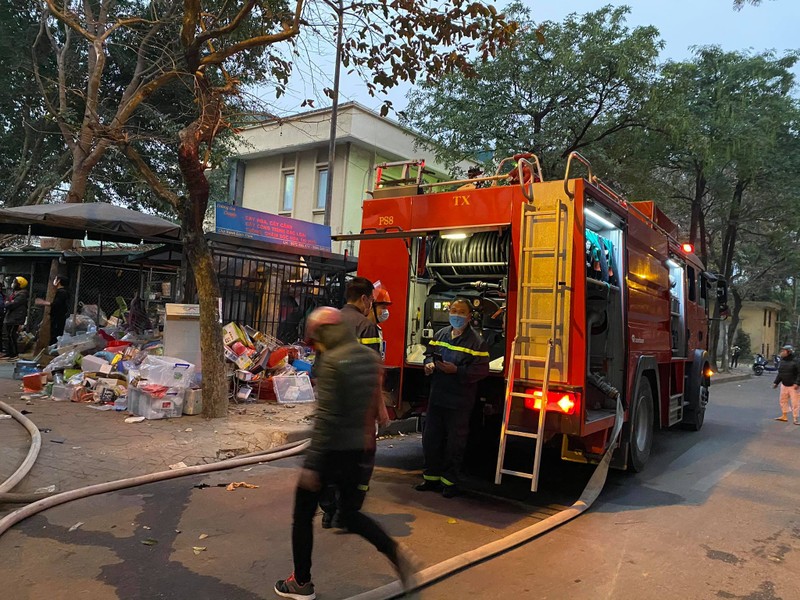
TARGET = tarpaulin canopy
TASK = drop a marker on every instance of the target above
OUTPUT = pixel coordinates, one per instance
(96, 220)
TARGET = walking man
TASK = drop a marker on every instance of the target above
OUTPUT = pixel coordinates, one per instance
(457, 359)
(736, 351)
(788, 378)
(59, 308)
(347, 382)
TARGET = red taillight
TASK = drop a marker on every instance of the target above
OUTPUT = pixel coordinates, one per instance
(563, 402)
(688, 248)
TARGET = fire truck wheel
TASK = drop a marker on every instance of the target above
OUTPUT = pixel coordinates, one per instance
(641, 431)
(696, 411)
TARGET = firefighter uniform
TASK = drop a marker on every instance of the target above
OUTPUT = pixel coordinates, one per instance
(452, 398)
(365, 330)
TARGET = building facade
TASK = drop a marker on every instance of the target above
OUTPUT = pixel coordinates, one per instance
(760, 321)
(282, 165)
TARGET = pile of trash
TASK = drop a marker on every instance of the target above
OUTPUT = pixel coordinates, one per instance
(266, 369)
(110, 367)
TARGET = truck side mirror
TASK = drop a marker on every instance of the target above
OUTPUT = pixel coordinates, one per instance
(722, 298)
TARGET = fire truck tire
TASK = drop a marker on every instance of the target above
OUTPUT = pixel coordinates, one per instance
(641, 426)
(695, 413)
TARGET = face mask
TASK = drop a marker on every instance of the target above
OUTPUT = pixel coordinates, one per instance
(383, 315)
(457, 321)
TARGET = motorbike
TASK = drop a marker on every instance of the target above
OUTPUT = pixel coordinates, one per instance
(761, 364)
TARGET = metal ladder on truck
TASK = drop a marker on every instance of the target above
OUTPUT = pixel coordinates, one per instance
(541, 310)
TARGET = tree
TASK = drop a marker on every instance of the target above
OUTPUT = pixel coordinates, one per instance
(212, 48)
(556, 88)
(32, 157)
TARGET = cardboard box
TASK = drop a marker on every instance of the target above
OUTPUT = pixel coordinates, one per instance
(193, 402)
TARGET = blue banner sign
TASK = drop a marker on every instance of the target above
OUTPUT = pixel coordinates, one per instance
(256, 225)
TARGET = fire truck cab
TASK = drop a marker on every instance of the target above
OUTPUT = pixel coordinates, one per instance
(592, 309)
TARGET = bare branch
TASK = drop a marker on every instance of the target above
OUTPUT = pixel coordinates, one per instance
(68, 18)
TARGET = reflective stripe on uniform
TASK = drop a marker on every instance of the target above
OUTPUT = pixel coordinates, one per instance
(363, 488)
(377, 340)
(446, 482)
(431, 478)
(460, 348)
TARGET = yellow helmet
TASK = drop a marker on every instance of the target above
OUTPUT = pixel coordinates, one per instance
(23, 283)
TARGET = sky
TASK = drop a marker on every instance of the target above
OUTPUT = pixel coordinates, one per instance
(681, 23)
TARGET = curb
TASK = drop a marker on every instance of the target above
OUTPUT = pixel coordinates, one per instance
(731, 379)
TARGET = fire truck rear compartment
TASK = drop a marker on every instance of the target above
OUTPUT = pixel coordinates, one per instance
(604, 313)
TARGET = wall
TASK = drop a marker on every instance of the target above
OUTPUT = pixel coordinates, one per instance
(764, 338)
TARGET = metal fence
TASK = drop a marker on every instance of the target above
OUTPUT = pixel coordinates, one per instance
(274, 295)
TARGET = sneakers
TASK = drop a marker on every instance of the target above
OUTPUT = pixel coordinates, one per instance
(429, 485)
(407, 565)
(289, 588)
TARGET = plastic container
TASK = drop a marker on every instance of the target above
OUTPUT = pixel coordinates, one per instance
(121, 403)
(33, 382)
(293, 388)
(145, 405)
(60, 392)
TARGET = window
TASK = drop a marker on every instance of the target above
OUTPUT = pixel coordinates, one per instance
(765, 317)
(322, 189)
(769, 321)
(703, 292)
(287, 203)
(692, 284)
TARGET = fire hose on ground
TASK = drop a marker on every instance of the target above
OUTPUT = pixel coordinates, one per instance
(424, 578)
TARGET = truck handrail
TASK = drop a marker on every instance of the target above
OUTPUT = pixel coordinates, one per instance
(580, 158)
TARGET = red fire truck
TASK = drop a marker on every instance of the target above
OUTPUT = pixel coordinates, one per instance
(591, 307)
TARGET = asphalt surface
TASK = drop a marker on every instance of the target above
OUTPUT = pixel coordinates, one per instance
(715, 515)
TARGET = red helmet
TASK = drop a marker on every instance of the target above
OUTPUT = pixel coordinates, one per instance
(324, 315)
(382, 296)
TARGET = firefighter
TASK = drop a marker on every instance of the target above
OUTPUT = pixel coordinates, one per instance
(347, 382)
(359, 295)
(379, 314)
(16, 314)
(456, 359)
(788, 377)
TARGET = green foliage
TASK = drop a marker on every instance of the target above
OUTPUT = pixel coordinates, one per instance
(744, 343)
(558, 87)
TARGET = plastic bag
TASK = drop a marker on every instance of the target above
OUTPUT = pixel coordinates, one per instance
(79, 323)
(90, 310)
(62, 362)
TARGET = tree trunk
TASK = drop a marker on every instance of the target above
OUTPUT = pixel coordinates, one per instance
(193, 209)
(734, 323)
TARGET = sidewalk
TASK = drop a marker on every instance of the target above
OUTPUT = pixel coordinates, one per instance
(82, 446)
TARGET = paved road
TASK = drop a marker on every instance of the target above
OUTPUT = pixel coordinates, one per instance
(715, 515)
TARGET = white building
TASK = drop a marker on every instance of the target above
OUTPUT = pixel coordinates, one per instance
(282, 165)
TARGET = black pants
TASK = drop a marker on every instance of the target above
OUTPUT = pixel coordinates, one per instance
(11, 335)
(329, 501)
(344, 471)
(735, 361)
(444, 441)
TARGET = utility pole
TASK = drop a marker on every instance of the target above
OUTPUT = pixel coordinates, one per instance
(334, 114)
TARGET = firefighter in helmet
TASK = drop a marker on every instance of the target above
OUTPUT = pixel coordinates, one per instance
(379, 314)
(16, 314)
(456, 359)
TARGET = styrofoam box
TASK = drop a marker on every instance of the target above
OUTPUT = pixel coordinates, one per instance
(92, 364)
(145, 405)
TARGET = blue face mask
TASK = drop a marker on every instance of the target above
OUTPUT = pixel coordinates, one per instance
(457, 321)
